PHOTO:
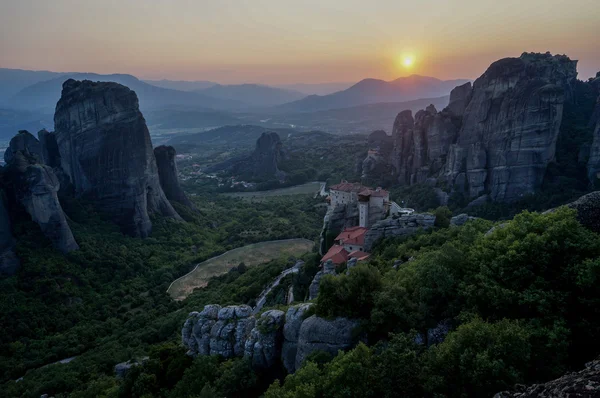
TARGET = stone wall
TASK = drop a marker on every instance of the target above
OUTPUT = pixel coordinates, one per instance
(398, 226)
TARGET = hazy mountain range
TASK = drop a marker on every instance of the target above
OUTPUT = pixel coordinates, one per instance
(28, 100)
(371, 91)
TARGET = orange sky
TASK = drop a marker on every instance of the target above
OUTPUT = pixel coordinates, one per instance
(291, 41)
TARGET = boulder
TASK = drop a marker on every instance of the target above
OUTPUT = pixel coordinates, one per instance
(107, 154)
(291, 330)
(169, 176)
(406, 224)
(319, 334)
(263, 347)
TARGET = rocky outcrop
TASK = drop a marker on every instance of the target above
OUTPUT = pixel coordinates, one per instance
(9, 263)
(495, 138)
(263, 347)
(275, 336)
(422, 144)
(460, 97)
(267, 155)
(319, 334)
(406, 224)
(291, 331)
(594, 158)
(313, 289)
(582, 384)
(169, 176)
(106, 151)
(35, 186)
(121, 369)
(510, 127)
(461, 219)
(218, 331)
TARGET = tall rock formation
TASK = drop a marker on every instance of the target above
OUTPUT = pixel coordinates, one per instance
(106, 151)
(594, 159)
(510, 126)
(35, 186)
(421, 144)
(168, 175)
(267, 155)
(496, 138)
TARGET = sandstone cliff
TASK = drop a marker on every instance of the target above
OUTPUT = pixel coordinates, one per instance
(594, 159)
(35, 186)
(496, 138)
(106, 152)
(404, 225)
(168, 175)
(510, 126)
(272, 338)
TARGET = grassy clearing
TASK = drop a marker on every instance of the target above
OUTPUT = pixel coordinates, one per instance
(304, 189)
(255, 254)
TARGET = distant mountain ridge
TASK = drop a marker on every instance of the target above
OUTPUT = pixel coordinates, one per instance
(369, 91)
(45, 94)
(256, 95)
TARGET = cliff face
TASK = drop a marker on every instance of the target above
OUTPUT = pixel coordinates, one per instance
(495, 138)
(594, 159)
(510, 126)
(168, 175)
(266, 339)
(35, 186)
(421, 144)
(106, 151)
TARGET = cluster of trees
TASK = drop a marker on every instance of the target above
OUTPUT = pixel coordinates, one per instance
(107, 302)
(520, 301)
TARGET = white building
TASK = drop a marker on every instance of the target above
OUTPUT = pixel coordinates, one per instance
(373, 204)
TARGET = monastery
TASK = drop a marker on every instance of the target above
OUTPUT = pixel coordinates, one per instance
(373, 205)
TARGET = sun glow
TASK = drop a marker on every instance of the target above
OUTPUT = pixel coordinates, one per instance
(408, 61)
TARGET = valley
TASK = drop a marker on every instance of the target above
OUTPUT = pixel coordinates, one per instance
(217, 258)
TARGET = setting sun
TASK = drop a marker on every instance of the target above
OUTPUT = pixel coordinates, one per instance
(408, 61)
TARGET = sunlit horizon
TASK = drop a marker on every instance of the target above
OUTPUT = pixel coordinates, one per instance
(279, 42)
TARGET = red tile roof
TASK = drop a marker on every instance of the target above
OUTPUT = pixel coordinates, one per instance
(374, 192)
(352, 236)
(360, 255)
(337, 254)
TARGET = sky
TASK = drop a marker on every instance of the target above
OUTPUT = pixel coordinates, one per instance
(292, 41)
